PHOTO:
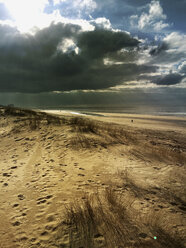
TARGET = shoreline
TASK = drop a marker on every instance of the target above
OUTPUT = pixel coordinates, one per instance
(109, 113)
(143, 121)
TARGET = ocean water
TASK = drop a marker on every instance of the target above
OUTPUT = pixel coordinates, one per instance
(99, 111)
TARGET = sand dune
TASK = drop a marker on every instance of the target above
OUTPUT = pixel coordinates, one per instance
(70, 181)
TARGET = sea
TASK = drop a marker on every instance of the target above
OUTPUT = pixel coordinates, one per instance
(99, 111)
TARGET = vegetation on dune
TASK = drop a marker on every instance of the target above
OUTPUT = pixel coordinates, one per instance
(89, 134)
(109, 219)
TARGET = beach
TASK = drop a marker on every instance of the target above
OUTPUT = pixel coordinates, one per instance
(53, 160)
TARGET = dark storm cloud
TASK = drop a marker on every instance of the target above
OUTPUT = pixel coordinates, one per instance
(37, 63)
(100, 42)
(159, 49)
(170, 79)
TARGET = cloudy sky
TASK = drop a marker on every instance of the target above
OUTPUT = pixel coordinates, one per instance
(92, 52)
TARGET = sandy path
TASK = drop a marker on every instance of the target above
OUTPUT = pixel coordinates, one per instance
(39, 185)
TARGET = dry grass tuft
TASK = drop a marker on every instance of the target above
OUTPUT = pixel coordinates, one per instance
(19, 112)
(84, 125)
(161, 152)
(90, 133)
(104, 220)
(31, 118)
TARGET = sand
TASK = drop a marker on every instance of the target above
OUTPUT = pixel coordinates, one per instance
(45, 168)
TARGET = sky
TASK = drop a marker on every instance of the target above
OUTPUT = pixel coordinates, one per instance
(126, 53)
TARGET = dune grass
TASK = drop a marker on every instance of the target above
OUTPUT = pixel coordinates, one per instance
(109, 219)
(88, 134)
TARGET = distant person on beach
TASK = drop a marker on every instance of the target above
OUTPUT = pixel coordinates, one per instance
(132, 121)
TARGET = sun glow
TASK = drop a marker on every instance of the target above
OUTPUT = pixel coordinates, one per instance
(29, 16)
(27, 13)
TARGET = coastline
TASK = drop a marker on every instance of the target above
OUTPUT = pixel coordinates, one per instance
(139, 120)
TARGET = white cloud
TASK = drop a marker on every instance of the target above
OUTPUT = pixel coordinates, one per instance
(176, 41)
(102, 22)
(68, 45)
(153, 20)
(182, 66)
(144, 56)
(85, 25)
(87, 5)
(156, 11)
(160, 25)
(108, 61)
(77, 8)
(172, 58)
(56, 2)
(140, 84)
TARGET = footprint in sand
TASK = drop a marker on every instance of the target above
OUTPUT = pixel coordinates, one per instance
(17, 223)
(21, 197)
(33, 240)
(6, 175)
(50, 227)
(34, 180)
(90, 181)
(15, 205)
(49, 196)
(63, 165)
(23, 238)
(81, 175)
(50, 218)
(43, 199)
(44, 233)
(13, 167)
(18, 139)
